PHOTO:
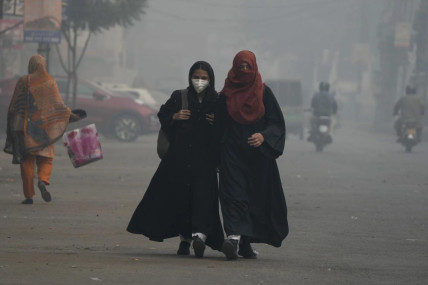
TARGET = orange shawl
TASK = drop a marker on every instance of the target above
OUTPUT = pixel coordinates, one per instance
(37, 116)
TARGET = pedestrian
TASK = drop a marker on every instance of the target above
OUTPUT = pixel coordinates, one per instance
(252, 131)
(37, 118)
(182, 198)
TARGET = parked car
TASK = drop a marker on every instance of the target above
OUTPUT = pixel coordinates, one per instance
(152, 98)
(137, 93)
(121, 117)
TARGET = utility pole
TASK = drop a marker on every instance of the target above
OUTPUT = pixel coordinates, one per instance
(420, 27)
(393, 59)
(44, 49)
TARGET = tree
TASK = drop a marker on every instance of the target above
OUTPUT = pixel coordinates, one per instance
(93, 16)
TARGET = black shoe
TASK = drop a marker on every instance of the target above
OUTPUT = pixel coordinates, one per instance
(198, 247)
(45, 194)
(246, 251)
(230, 249)
(27, 201)
(184, 248)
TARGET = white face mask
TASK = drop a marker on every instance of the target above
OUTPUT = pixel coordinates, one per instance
(200, 84)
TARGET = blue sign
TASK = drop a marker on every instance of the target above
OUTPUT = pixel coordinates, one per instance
(53, 37)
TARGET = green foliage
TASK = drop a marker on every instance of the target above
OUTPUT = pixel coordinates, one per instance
(98, 15)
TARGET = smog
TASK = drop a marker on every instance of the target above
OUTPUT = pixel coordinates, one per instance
(353, 175)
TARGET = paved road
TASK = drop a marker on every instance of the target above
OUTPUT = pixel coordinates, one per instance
(357, 213)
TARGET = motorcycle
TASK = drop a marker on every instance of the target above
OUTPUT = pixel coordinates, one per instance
(409, 136)
(320, 134)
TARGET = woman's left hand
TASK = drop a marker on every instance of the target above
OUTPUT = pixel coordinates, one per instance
(74, 118)
(256, 140)
(210, 118)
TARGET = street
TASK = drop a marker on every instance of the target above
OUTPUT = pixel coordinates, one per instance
(357, 213)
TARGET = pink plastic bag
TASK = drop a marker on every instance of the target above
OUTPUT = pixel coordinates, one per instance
(83, 146)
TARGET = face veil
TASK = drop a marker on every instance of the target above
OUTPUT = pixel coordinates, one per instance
(244, 90)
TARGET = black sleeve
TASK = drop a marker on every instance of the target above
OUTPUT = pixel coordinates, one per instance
(334, 106)
(397, 107)
(313, 102)
(274, 132)
(167, 110)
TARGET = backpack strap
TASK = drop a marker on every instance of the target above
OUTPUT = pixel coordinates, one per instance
(184, 101)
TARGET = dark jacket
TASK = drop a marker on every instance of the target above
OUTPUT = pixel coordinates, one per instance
(323, 104)
(410, 108)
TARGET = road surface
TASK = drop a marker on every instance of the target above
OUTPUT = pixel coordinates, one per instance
(357, 214)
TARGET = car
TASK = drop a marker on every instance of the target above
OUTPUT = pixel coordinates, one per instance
(137, 93)
(152, 98)
(120, 117)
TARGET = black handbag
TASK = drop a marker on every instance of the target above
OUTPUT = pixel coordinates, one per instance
(163, 141)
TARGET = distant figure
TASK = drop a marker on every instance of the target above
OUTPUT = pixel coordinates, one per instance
(251, 130)
(410, 109)
(37, 118)
(182, 198)
(323, 104)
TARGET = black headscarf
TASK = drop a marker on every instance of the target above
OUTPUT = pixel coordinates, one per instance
(207, 67)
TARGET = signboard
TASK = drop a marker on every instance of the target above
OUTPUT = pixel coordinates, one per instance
(42, 21)
(13, 8)
(403, 32)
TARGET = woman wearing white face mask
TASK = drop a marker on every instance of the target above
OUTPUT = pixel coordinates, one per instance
(182, 198)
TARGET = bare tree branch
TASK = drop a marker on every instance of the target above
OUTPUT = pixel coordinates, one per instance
(66, 36)
(11, 27)
(83, 50)
(61, 60)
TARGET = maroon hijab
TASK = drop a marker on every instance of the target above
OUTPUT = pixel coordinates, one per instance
(244, 90)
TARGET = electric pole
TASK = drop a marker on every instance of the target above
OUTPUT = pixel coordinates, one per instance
(420, 27)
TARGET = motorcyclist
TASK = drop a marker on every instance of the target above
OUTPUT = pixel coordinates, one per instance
(322, 104)
(410, 109)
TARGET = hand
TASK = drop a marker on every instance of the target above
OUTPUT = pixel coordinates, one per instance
(256, 140)
(210, 118)
(74, 117)
(183, 114)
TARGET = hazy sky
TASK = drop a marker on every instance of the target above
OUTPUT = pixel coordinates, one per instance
(286, 36)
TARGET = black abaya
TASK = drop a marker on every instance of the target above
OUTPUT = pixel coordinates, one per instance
(182, 197)
(251, 195)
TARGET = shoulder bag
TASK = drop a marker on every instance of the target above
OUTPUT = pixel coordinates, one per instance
(163, 141)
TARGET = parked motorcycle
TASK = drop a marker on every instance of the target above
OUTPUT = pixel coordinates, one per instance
(320, 134)
(409, 137)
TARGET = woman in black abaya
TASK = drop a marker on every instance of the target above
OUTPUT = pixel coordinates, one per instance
(182, 198)
(251, 126)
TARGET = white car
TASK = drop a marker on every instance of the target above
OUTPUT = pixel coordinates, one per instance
(138, 93)
(152, 98)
